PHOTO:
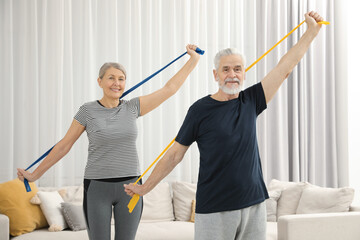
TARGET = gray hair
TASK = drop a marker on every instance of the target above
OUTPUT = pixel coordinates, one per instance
(108, 65)
(227, 52)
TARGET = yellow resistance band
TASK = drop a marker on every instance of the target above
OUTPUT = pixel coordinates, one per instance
(136, 197)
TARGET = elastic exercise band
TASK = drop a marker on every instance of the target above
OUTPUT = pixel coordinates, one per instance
(27, 186)
(136, 197)
(198, 50)
(323, 22)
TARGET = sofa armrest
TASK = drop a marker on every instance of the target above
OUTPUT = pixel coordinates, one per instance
(322, 226)
(4, 227)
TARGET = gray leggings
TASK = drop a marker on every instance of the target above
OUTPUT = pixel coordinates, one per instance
(100, 198)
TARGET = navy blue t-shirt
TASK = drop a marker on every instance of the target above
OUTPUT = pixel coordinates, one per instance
(230, 174)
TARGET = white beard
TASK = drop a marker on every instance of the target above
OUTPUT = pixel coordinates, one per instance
(232, 90)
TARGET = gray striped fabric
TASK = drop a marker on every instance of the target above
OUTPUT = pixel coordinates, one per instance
(112, 134)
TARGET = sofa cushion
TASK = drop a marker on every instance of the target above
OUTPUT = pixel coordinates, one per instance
(174, 230)
(271, 205)
(158, 204)
(44, 234)
(325, 200)
(15, 203)
(183, 194)
(51, 207)
(74, 215)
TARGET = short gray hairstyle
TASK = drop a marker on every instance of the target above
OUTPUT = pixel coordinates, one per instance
(227, 52)
(108, 65)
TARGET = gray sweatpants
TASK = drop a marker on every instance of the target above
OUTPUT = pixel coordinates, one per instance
(100, 198)
(244, 224)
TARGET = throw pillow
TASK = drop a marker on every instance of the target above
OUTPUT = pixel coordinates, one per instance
(36, 199)
(74, 215)
(289, 199)
(325, 200)
(271, 205)
(51, 207)
(192, 217)
(73, 194)
(183, 194)
(15, 203)
(276, 185)
(158, 204)
(70, 194)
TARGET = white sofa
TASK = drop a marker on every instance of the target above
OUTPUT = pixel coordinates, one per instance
(167, 211)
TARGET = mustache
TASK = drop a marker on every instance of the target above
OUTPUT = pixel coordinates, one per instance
(232, 80)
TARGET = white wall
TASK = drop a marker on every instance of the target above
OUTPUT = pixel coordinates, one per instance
(341, 84)
(353, 44)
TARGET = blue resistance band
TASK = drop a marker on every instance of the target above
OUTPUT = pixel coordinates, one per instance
(198, 50)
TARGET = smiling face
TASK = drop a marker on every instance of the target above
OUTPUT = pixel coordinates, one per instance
(112, 83)
(230, 74)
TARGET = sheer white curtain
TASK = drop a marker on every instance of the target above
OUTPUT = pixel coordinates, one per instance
(52, 50)
(298, 131)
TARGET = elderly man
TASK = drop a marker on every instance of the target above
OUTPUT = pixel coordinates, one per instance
(230, 190)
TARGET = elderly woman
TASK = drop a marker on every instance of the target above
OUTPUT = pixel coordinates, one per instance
(110, 124)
